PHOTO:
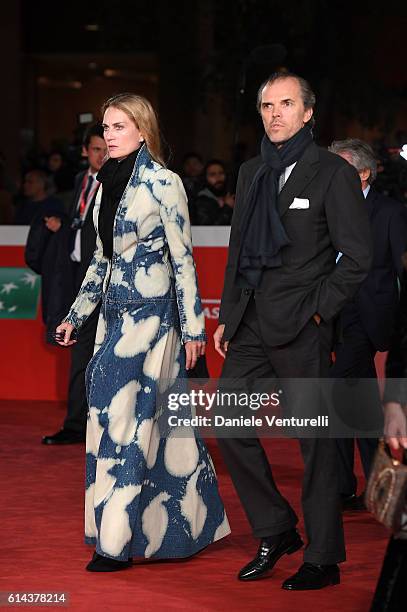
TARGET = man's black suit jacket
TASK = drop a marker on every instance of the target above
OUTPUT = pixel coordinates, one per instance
(377, 299)
(88, 233)
(309, 281)
(48, 254)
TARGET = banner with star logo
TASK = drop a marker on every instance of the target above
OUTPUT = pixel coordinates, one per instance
(19, 293)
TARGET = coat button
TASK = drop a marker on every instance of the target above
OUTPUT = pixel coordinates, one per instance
(247, 292)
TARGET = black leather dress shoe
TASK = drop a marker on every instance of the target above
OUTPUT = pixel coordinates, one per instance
(105, 564)
(64, 436)
(354, 503)
(270, 551)
(311, 577)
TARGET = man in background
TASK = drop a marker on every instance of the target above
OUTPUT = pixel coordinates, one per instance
(368, 320)
(214, 205)
(36, 202)
(192, 179)
(79, 241)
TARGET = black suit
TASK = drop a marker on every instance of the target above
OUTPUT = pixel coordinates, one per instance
(272, 333)
(308, 281)
(81, 351)
(368, 326)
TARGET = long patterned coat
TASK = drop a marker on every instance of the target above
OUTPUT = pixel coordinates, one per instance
(146, 495)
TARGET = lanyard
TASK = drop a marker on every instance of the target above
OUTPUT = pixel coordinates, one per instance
(83, 201)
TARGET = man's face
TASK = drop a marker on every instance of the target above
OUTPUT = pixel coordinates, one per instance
(55, 162)
(33, 186)
(193, 167)
(282, 109)
(216, 178)
(95, 153)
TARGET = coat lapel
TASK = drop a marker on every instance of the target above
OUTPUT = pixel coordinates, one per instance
(77, 193)
(304, 171)
(371, 202)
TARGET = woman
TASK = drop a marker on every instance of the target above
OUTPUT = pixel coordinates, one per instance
(145, 495)
(390, 594)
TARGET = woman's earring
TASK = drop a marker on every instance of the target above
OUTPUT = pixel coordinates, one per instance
(141, 139)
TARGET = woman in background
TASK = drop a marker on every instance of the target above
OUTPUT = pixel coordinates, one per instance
(145, 495)
(390, 594)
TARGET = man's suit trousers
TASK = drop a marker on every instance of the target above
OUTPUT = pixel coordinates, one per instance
(269, 513)
(81, 354)
(355, 359)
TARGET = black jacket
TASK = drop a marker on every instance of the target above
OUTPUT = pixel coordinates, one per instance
(377, 299)
(309, 281)
(396, 364)
(208, 211)
(48, 254)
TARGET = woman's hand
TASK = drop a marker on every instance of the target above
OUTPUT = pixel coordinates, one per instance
(395, 425)
(67, 329)
(194, 349)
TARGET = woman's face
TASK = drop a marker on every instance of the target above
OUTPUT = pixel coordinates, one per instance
(121, 134)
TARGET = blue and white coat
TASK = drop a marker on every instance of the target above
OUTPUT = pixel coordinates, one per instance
(145, 495)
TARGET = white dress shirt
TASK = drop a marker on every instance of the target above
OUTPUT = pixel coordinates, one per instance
(288, 171)
(76, 253)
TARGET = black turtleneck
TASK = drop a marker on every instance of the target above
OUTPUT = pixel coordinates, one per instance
(114, 176)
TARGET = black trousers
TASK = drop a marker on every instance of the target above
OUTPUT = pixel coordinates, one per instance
(81, 354)
(269, 513)
(355, 359)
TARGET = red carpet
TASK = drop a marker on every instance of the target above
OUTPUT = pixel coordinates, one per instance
(42, 549)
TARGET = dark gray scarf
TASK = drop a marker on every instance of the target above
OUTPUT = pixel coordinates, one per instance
(263, 234)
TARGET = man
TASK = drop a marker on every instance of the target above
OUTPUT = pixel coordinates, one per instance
(192, 178)
(192, 169)
(80, 245)
(37, 202)
(214, 205)
(281, 294)
(367, 322)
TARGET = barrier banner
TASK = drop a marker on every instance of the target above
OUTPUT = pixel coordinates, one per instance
(19, 293)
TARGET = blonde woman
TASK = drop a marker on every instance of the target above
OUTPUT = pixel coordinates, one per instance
(145, 495)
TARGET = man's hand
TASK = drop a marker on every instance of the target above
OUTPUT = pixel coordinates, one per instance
(317, 318)
(395, 425)
(221, 347)
(229, 200)
(53, 223)
(194, 349)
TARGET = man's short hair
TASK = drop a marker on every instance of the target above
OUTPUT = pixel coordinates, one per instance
(214, 162)
(192, 155)
(308, 96)
(40, 175)
(362, 155)
(96, 129)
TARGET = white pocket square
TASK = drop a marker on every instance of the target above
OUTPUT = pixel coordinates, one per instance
(300, 203)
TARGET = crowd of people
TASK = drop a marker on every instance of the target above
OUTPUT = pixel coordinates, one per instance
(315, 264)
(48, 179)
(48, 184)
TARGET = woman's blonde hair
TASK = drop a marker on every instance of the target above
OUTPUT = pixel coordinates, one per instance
(140, 110)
